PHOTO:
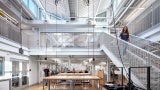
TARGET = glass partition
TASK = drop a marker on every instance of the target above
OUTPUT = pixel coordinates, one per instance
(15, 73)
(24, 73)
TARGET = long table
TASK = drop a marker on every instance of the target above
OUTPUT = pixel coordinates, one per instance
(74, 74)
(89, 77)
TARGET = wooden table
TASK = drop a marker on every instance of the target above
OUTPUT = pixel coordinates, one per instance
(73, 74)
(88, 77)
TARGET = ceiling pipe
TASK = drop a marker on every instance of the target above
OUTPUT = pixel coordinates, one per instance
(124, 12)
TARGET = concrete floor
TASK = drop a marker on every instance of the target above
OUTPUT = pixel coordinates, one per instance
(62, 87)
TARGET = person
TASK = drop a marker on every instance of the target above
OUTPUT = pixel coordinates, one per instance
(86, 71)
(74, 70)
(112, 71)
(124, 36)
(46, 73)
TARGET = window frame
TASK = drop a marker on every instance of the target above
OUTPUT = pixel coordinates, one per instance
(3, 68)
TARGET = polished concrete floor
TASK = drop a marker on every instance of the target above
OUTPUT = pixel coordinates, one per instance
(61, 87)
(67, 87)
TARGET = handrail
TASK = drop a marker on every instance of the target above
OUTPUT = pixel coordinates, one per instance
(145, 44)
(134, 46)
(144, 39)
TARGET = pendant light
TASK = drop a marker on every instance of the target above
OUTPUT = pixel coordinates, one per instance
(93, 33)
(20, 27)
(45, 32)
(87, 3)
(56, 3)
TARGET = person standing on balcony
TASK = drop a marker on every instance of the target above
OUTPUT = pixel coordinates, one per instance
(124, 36)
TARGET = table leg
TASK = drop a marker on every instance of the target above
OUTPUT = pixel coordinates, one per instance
(48, 84)
(98, 85)
(43, 84)
(72, 85)
(54, 84)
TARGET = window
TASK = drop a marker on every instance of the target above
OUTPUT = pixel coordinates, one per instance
(24, 73)
(103, 14)
(1, 66)
(15, 73)
(15, 68)
(116, 3)
(25, 2)
(41, 14)
(33, 7)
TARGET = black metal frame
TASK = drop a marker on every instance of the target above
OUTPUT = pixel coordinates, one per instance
(148, 77)
(121, 74)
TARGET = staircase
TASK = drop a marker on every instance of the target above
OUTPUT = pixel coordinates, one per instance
(134, 57)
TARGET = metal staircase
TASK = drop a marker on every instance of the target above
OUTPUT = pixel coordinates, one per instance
(134, 57)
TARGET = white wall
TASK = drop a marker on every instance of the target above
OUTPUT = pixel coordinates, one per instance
(8, 50)
(33, 74)
(7, 60)
(4, 85)
(10, 46)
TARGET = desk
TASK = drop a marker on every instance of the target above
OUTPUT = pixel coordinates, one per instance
(71, 78)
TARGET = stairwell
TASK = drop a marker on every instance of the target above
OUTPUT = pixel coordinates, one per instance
(134, 57)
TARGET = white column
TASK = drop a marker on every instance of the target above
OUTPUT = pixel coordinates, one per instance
(108, 67)
(20, 73)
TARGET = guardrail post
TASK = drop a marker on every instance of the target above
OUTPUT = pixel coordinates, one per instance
(122, 76)
(148, 78)
(129, 69)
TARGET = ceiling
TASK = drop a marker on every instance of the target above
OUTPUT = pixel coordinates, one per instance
(75, 8)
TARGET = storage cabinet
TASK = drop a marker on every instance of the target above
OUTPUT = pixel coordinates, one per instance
(102, 76)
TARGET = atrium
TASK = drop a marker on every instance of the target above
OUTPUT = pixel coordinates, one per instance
(79, 44)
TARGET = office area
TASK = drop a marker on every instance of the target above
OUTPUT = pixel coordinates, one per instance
(78, 35)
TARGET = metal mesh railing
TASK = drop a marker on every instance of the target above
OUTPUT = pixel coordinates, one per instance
(69, 40)
(12, 32)
(149, 18)
(150, 46)
(134, 57)
(9, 31)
